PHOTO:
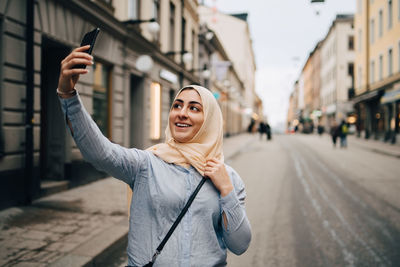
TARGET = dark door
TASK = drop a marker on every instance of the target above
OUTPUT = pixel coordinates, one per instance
(53, 132)
(137, 107)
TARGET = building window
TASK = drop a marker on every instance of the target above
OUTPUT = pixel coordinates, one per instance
(390, 62)
(155, 109)
(398, 10)
(171, 96)
(359, 39)
(350, 69)
(133, 9)
(171, 26)
(193, 47)
(101, 97)
(372, 72)
(183, 33)
(156, 15)
(380, 67)
(372, 31)
(398, 56)
(380, 23)
(390, 14)
(359, 80)
(351, 43)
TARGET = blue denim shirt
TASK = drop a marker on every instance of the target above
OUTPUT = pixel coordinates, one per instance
(160, 190)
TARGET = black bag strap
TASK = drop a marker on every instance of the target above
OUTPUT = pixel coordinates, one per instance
(177, 221)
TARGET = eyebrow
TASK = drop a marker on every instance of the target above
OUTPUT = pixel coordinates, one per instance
(190, 102)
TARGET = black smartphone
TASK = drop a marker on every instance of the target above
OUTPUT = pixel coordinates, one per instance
(88, 39)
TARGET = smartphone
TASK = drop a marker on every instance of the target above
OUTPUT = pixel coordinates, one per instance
(88, 39)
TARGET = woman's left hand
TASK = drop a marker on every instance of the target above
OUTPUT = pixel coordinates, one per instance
(215, 170)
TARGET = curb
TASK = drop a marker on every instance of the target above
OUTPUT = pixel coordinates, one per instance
(377, 150)
(88, 253)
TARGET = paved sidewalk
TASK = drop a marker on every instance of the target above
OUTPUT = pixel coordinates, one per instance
(75, 227)
(376, 146)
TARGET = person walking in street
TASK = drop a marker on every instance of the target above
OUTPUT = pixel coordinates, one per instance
(261, 129)
(163, 176)
(334, 132)
(344, 129)
(268, 131)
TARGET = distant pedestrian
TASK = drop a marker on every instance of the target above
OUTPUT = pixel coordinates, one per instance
(344, 129)
(268, 131)
(261, 129)
(334, 132)
(164, 175)
(320, 129)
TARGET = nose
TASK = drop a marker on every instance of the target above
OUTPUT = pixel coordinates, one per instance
(183, 112)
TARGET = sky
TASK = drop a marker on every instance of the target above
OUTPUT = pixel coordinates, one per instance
(283, 32)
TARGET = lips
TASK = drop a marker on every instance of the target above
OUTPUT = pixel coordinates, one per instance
(183, 125)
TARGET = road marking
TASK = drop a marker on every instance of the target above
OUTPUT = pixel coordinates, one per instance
(348, 257)
(298, 160)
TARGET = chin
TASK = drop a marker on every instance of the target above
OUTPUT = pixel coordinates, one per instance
(182, 139)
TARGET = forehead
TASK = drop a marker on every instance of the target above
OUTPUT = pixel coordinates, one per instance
(188, 95)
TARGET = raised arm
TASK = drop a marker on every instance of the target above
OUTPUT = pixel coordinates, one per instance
(118, 161)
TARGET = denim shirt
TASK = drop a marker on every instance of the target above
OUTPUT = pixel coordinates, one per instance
(160, 190)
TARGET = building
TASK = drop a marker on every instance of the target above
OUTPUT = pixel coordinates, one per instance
(377, 69)
(241, 54)
(336, 72)
(128, 91)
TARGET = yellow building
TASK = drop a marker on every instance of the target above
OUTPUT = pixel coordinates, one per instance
(377, 68)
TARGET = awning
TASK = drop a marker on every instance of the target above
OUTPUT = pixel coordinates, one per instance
(391, 96)
(366, 96)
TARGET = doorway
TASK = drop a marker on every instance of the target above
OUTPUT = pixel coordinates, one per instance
(137, 114)
(52, 123)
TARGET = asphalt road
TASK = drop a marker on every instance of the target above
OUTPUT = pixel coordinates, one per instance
(312, 205)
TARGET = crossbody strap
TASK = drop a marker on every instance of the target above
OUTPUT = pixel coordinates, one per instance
(183, 212)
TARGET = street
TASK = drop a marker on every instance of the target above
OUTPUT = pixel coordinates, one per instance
(312, 205)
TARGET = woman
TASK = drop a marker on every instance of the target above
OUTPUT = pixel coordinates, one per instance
(163, 177)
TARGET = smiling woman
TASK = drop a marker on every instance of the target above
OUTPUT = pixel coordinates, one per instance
(186, 116)
(164, 176)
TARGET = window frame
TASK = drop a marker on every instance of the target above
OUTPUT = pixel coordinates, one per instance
(390, 61)
(108, 101)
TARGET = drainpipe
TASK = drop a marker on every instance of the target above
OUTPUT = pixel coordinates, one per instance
(29, 176)
(182, 44)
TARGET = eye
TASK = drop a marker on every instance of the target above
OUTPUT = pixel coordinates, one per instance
(176, 105)
(194, 108)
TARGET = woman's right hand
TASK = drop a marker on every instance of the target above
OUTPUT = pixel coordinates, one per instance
(69, 76)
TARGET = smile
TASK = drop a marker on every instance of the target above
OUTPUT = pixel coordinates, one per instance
(182, 125)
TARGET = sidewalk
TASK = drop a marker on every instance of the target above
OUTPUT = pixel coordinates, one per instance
(75, 227)
(375, 146)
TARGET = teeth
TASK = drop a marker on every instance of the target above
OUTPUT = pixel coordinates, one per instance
(182, 125)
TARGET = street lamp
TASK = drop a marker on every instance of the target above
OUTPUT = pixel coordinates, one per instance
(205, 72)
(187, 57)
(152, 26)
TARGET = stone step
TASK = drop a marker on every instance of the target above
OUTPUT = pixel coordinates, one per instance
(49, 187)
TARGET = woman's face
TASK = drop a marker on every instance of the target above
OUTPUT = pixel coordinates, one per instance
(186, 116)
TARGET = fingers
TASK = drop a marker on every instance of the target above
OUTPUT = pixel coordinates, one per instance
(81, 48)
(76, 55)
(72, 72)
(77, 61)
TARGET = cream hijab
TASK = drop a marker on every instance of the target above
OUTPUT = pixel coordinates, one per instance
(206, 144)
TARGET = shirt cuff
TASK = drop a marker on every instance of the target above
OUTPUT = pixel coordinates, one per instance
(71, 105)
(229, 201)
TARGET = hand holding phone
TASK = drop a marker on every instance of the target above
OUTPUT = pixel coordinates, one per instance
(88, 39)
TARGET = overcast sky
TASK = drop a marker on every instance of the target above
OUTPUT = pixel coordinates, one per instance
(284, 32)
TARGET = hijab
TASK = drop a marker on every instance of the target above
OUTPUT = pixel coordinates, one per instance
(205, 144)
